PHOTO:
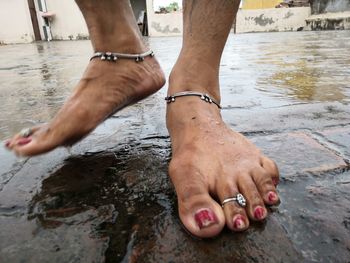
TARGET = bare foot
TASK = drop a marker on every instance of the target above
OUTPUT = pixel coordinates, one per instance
(210, 163)
(105, 88)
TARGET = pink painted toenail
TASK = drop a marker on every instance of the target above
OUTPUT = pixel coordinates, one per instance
(272, 197)
(238, 222)
(24, 141)
(205, 218)
(259, 213)
(275, 181)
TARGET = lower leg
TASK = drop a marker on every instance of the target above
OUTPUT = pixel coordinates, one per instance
(112, 26)
(206, 27)
(211, 162)
(105, 87)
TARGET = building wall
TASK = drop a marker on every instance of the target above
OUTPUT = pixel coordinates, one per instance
(259, 20)
(272, 20)
(259, 4)
(15, 22)
(163, 24)
(68, 22)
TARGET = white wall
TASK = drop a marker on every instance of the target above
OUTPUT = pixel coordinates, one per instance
(68, 23)
(275, 19)
(258, 20)
(15, 22)
(163, 24)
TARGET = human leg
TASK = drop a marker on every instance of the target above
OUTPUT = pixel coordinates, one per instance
(105, 87)
(210, 162)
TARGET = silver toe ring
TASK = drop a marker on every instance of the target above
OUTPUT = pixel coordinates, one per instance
(26, 132)
(239, 198)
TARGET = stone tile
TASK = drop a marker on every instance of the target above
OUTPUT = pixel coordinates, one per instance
(307, 116)
(121, 206)
(297, 153)
(339, 139)
(315, 213)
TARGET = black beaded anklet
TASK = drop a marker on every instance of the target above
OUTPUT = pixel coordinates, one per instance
(113, 57)
(204, 97)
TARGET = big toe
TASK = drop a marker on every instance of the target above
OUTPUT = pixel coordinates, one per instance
(200, 214)
(40, 140)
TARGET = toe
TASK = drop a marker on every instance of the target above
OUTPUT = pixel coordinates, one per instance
(40, 141)
(271, 168)
(199, 213)
(19, 140)
(235, 215)
(265, 186)
(255, 204)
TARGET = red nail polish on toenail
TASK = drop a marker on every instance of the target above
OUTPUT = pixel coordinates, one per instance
(259, 213)
(238, 222)
(205, 218)
(272, 197)
(24, 141)
(275, 181)
(7, 144)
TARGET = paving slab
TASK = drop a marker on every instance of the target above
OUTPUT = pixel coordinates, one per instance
(109, 198)
(120, 206)
(298, 153)
(338, 139)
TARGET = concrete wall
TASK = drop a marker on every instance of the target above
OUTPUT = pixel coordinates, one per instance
(324, 6)
(329, 21)
(271, 20)
(15, 22)
(259, 20)
(259, 4)
(163, 24)
(68, 22)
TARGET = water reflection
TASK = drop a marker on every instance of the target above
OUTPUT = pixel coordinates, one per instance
(312, 68)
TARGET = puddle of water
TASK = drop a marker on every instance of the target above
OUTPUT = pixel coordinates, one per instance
(277, 69)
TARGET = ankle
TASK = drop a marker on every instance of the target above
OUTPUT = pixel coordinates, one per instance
(119, 42)
(194, 76)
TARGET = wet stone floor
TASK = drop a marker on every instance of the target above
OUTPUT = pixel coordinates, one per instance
(109, 199)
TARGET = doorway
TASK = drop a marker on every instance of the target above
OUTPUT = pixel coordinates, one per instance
(140, 12)
(34, 19)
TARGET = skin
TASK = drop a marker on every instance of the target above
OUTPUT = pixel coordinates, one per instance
(210, 162)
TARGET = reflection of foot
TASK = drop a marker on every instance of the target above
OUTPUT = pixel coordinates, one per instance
(211, 162)
(105, 88)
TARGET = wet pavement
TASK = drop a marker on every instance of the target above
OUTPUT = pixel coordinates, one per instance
(109, 199)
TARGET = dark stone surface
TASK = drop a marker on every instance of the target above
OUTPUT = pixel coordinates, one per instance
(109, 198)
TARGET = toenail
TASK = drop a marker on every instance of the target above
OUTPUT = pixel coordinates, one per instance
(7, 143)
(275, 181)
(24, 141)
(272, 197)
(259, 213)
(238, 222)
(205, 218)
